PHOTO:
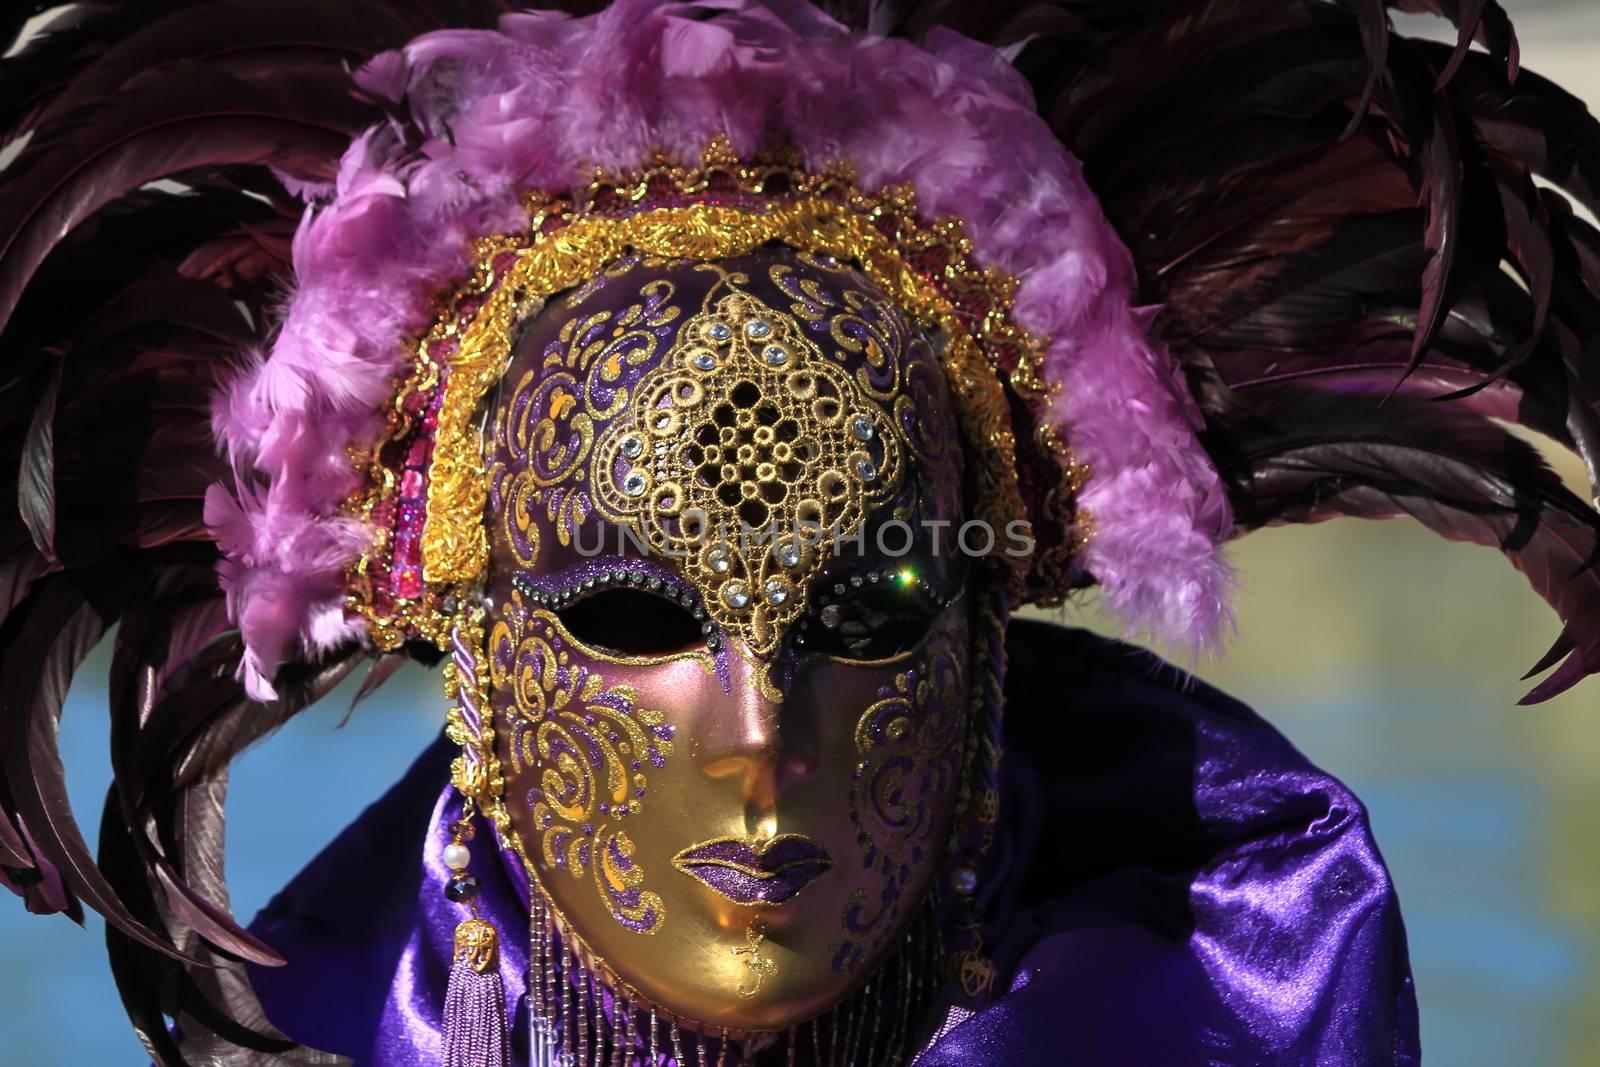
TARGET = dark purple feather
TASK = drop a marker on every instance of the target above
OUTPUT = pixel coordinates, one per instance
(180, 118)
(36, 485)
(1373, 18)
(1300, 455)
(56, 633)
(1435, 163)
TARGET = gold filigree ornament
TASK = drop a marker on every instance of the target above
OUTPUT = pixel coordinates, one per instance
(746, 420)
(477, 944)
(415, 578)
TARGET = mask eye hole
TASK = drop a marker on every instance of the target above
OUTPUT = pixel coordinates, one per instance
(874, 622)
(632, 622)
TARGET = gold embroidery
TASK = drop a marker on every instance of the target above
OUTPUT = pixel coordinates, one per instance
(545, 430)
(706, 232)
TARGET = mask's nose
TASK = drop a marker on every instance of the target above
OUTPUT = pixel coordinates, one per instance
(747, 735)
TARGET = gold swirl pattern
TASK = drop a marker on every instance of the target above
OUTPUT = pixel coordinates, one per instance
(591, 745)
(910, 743)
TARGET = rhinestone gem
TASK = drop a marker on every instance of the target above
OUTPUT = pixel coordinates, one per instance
(831, 615)
(717, 560)
(735, 595)
(634, 484)
(719, 331)
(964, 880)
(861, 426)
(758, 328)
(787, 553)
(632, 446)
(866, 470)
(777, 591)
(776, 355)
(705, 361)
(461, 888)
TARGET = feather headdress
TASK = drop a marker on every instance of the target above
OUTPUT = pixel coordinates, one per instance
(1315, 277)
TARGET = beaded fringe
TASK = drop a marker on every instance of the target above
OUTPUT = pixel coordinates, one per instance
(575, 1021)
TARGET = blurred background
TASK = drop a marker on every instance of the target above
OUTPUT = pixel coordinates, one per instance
(1390, 657)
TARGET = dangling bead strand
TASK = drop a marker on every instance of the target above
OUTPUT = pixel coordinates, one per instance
(578, 991)
(475, 1018)
(677, 1045)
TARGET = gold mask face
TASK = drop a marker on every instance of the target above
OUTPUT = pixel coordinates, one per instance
(730, 709)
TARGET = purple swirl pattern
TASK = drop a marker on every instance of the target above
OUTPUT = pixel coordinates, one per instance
(590, 746)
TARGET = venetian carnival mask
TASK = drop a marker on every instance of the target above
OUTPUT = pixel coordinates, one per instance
(728, 658)
(708, 486)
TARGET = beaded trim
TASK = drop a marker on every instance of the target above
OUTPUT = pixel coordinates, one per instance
(624, 578)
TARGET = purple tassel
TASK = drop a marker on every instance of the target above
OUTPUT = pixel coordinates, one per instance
(475, 1005)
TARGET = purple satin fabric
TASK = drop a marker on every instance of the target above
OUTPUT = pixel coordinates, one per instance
(1173, 883)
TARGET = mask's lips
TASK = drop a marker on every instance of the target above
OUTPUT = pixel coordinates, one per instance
(747, 872)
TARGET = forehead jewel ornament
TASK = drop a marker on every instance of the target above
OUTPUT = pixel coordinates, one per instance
(746, 421)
